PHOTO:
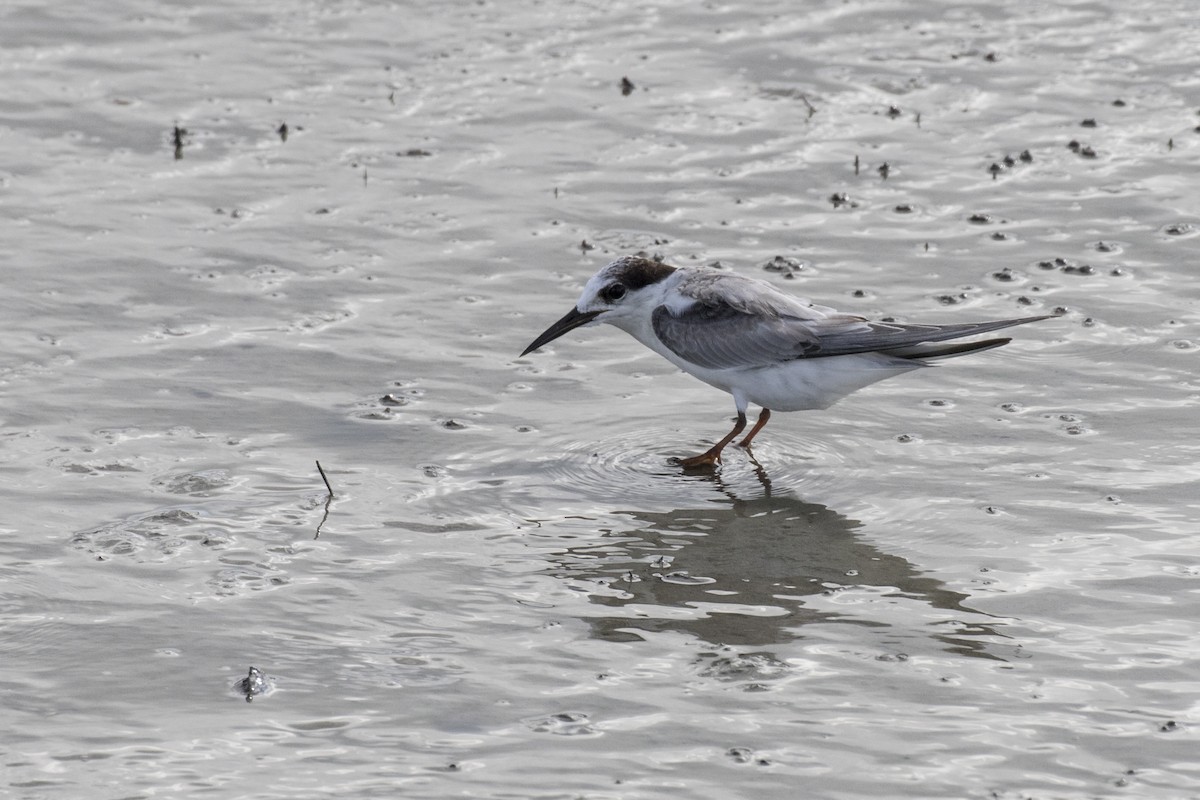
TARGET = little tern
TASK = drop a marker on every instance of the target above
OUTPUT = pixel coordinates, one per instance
(760, 344)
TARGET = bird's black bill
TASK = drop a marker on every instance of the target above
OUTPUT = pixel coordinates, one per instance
(570, 322)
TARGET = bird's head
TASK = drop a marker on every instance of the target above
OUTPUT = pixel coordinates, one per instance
(619, 294)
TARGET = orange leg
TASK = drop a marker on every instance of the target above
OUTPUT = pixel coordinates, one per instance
(713, 454)
(758, 426)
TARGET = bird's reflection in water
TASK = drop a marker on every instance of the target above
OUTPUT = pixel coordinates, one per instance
(767, 559)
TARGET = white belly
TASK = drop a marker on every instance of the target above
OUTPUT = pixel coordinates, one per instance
(802, 384)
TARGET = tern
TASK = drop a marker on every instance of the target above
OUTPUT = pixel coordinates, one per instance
(762, 345)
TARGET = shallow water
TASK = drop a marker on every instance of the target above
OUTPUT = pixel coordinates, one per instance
(976, 581)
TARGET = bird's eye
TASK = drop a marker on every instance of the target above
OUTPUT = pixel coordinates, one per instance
(613, 292)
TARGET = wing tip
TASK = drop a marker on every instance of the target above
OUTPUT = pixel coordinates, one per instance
(926, 352)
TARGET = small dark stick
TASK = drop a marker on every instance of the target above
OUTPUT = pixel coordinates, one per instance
(324, 478)
(177, 137)
(328, 500)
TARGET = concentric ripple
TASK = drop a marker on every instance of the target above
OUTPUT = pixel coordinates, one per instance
(641, 465)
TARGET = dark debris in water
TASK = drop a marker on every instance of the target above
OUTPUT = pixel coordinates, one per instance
(1080, 149)
(840, 199)
(1067, 266)
(1009, 162)
(744, 755)
(254, 684)
(951, 299)
(785, 265)
(389, 406)
(179, 137)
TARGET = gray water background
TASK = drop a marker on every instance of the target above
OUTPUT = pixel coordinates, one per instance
(979, 581)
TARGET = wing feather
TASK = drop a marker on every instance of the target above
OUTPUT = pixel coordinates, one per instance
(723, 321)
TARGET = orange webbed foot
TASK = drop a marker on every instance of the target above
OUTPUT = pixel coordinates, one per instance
(709, 459)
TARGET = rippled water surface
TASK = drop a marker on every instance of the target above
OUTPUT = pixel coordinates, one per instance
(977, 581)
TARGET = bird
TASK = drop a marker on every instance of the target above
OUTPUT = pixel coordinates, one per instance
(760, 344)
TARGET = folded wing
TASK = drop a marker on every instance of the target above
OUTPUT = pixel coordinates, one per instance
(712, 331)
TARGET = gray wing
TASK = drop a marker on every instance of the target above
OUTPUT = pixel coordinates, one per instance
(716, 335)
(721, 320)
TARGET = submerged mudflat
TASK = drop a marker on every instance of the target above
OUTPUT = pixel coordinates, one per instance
(238, 241)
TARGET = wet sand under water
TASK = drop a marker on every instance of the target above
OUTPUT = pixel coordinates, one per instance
(241, 241)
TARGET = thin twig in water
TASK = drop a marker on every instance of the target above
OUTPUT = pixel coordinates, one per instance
(324, 478)
(328, 500)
